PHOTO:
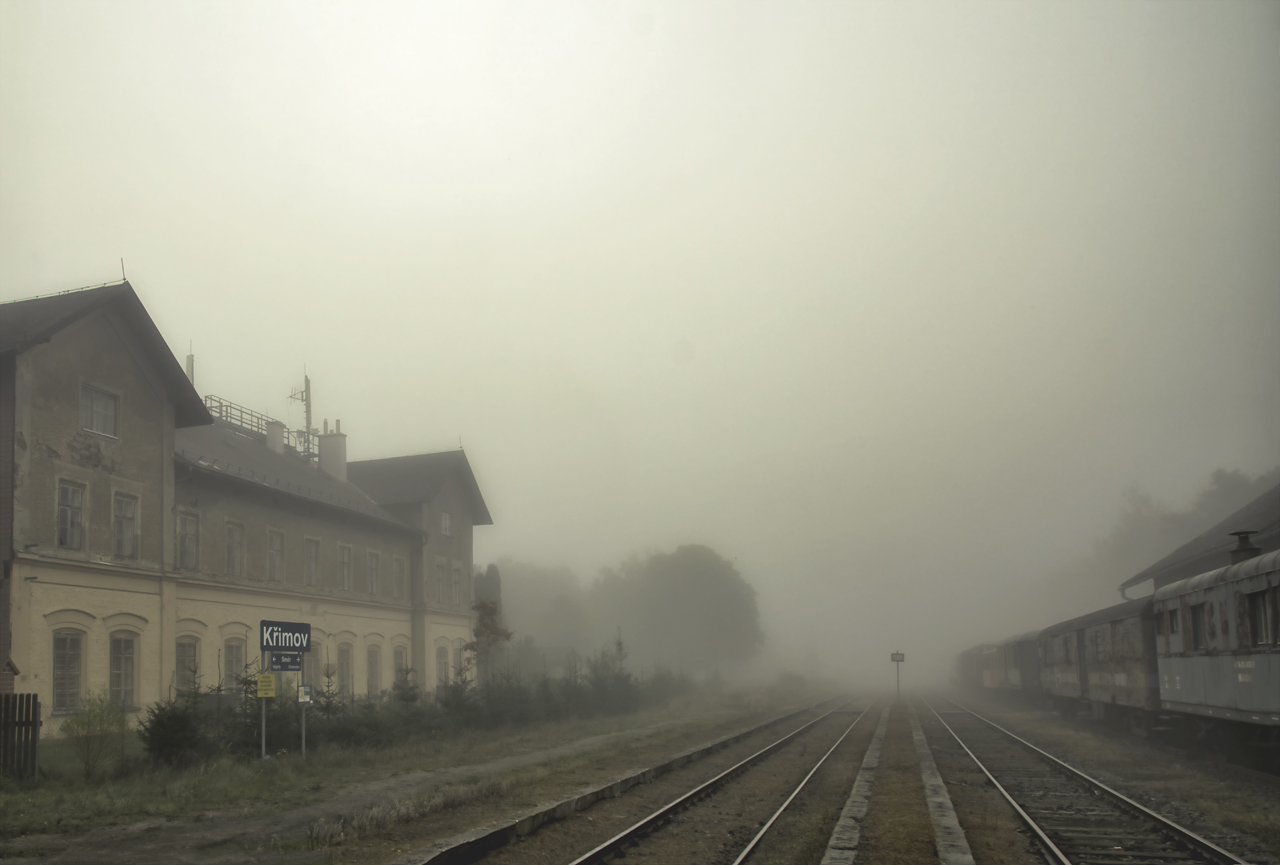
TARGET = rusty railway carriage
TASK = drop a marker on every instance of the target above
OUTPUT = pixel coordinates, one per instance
(1199, 657)
(1104, 661)
(1217, 645)
(1008, 667)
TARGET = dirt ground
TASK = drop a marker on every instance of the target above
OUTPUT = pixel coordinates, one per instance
(281, 836)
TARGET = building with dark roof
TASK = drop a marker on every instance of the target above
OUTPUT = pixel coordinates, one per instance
(1212, 548)
(146, 532)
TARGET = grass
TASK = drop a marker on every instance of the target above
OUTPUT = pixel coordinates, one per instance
(64, 801)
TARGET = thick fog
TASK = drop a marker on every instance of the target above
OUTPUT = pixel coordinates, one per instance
(898, 308)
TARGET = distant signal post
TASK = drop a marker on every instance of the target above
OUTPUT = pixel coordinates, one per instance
(898, 658)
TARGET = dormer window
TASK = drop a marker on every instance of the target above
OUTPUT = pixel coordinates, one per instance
(98, 411)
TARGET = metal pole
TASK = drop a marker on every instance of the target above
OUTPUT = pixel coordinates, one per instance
(304, 731)
(897, 672)
(263, 701)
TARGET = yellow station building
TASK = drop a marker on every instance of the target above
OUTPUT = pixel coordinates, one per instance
(146, 531)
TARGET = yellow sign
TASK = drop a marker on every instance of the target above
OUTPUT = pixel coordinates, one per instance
(266, 685)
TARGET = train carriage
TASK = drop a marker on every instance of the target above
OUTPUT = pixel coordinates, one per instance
(1103, 660)
(1217, 643)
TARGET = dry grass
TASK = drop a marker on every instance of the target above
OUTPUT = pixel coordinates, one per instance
(66, 802)
(324, 834)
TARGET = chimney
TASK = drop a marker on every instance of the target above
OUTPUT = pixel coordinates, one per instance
(1244, 550)
(333, 451)
(191, 369)
(275, 436)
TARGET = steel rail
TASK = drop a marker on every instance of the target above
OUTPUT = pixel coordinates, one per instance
(1186, 836)
(1046, 843)
(648, 824)
(751, 846)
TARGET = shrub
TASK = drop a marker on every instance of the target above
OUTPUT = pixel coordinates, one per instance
(96, 731)
(173, 733)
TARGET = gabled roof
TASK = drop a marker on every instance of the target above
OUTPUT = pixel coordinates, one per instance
(226, 450)
(25, 323)
(418, 479)
(1211, 549)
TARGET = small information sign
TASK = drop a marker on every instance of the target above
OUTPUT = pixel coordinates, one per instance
(897, 656)
(286, 662)
(266, 685)
(304, 694)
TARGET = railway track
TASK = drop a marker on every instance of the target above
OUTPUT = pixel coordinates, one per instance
(637, 833)
(1076, 819)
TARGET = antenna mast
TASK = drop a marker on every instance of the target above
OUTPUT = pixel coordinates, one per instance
(305, 437)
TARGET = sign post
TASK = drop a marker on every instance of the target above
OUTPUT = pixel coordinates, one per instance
(284, 644)
(898, 658)
(304, 697)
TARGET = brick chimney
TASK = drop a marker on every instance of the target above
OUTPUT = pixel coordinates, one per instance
(333, 451)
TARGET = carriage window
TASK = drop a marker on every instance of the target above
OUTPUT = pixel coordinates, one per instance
(1159, 625)
(1173, 621)
(1198, 632)
(1260, 619)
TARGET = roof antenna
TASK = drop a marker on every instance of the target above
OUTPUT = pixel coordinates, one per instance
(122, 276)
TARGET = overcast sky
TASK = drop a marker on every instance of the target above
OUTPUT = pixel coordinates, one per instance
(889, 303)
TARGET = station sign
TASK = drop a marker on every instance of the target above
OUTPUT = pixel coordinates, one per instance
(286, 662)
(285, 636)
(897, 657)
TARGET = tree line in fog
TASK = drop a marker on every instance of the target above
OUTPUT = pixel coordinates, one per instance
(688, 610)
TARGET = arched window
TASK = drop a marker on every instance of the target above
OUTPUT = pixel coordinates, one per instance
(375, 671)
(442, 665)
(233, 664)
(187, 668)
(457, 664)
(344, 670)
(400, 658)
(68, 661)
(122, 669)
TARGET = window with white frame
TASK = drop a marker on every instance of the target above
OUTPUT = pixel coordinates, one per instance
(275, 555)
(98, 411)
(233, 663)
(311, 561)
(68, 661)
(345, 685)
(375, 671)
(187, 664)
(457, 584)
(399, 570)
(400, 660)
(374, 561)
(70, 515)
(121, 684)
(344, 568)
(442, 665)
(235, 550)
(188, 541)
(125, 518)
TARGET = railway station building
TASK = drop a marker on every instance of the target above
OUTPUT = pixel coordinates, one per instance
(145, 531)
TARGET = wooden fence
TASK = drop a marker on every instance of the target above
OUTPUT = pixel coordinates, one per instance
(20, 735)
